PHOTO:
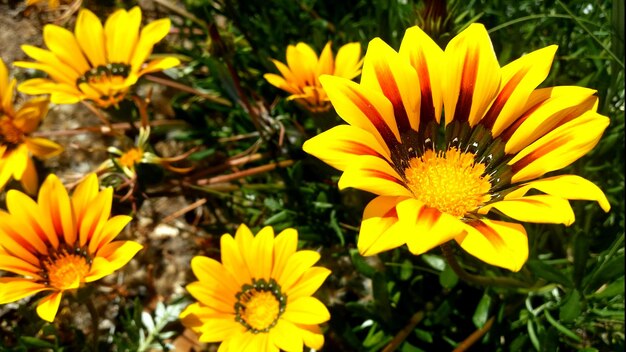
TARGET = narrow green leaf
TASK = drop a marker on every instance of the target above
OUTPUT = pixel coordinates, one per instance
(360, 264)
(565, 331)
(548, 272)
(448, 278)
(481, 313)
(571, 308)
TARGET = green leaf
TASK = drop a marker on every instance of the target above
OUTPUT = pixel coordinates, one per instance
(423, 335)
(482, 311)
(434, 261)
(565, 331)
(581, 254)
(571, 308)
(611, 290)
(448, 278)
(360, 264)
(35, 342)
(406, 270)
(381, 297)
(548, 272)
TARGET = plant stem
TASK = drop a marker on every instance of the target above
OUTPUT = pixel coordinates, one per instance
(95, 320)
(478, 279)
(402, 334)
(475, 336)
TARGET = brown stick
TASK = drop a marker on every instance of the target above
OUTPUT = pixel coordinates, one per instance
(244, 173)
(404, 333)
(184, 210)
(185, 88)
(475, 336)
(105, 129)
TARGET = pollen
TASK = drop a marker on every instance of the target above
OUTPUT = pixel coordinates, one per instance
(131, 157)
(260, 305)
(66, 271)
(449, 181)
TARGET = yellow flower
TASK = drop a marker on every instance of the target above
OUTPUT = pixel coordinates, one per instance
(259, 297)
(439, 179)
(300, 76)
(16, 146)
(58, 243)
(95, 63)
(140, 154)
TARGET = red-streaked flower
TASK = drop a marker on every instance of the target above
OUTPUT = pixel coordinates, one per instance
(259, 297)
(439, 179)
(16, 146)
(95, 63)
(300, 77)
(58, 243)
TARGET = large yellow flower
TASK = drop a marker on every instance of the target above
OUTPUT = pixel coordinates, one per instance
(95, 63)
(439, 179)
(58, 243)
(300, 76)
(16, 146)
(259, 297)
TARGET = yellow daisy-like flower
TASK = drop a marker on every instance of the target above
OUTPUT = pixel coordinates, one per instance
(95, 63)
(259, 297)
(16, 146)
(439, 179)
(58, 243)
(300, 76)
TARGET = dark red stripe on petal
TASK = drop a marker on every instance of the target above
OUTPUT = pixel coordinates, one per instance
(392, 213)
(427, 106)
(357, 149)
(374, 116)
(468, 82)
(490, 234)
(428, 217)
(508, 132)
(496, 108)
(381, 175)
(392, 92)
(539, 152)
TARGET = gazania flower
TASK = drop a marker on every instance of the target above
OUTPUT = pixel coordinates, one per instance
(259, 297)
(300, 76)
(58, 243)
(454, 177)
(140, 154)
(95, 63)
(16, 146)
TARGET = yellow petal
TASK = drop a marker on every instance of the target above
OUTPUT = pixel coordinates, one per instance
(285, 245)
(326, 63)
(48, 306)
(18, 160)
(117, 254)
(378, 233)
(35, 226)
(5, 92)
(84, 195)
(159, 65)
(262, 254)
(519, 79)
(279, 82)
(306, 310)
(63, 44)
(339, 145)
(302, 60)
(29, 179)
(373, 175)
(243, 342)
(296, 265)
(30, 114)
(286, 336)
(427, 59)
(13, 241)
(426, 228)
(538, 208)
(110, 230)
(15, 288)
(95, 217)
(151, 34)
(43, 148)
(90, 36)
(19, 266)
(216, 330)
(497, 243)
(567, 187)
(559, 148)
(211, 272)
(386, 72)
(59, 93)
(121, 31)
(348, 61)
(547, 109)
(312, 336)
(310, 281)
(472, 78)
(366, 109)
(233, 261)
(53, 64)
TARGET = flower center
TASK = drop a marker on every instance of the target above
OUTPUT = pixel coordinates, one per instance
(260, 305)
(108, 81)
(9, 134)
(449, 181)
(131, 157)
(66, 271)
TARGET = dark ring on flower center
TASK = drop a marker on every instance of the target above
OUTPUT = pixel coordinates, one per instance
(101, 72)
(249, 291)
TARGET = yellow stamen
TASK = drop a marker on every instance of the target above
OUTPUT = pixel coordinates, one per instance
(261, 309)
(131, 157)
(66, 271)
(449, 181)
